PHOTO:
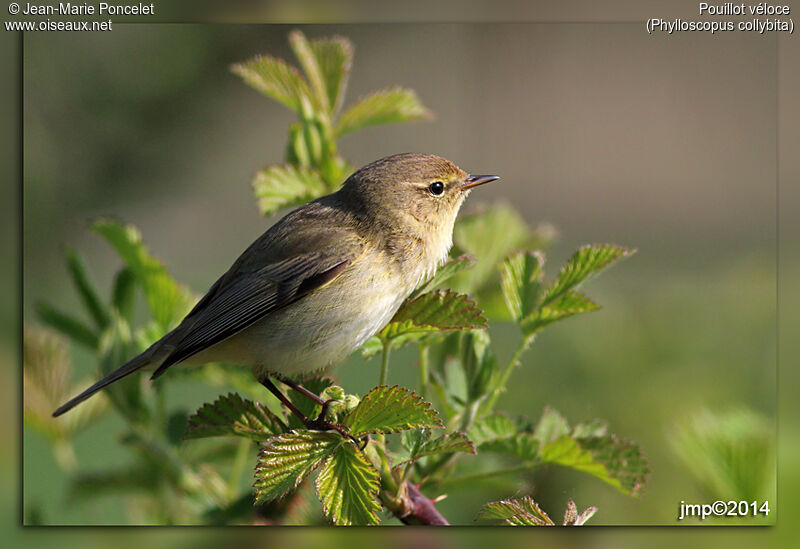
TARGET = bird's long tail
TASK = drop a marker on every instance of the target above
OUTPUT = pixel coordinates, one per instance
(134, 364)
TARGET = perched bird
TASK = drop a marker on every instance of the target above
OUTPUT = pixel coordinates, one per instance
(322, 280)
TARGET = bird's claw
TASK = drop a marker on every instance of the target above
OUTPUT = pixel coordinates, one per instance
(322, 424)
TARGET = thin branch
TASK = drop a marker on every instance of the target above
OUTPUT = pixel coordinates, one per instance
(423, 510)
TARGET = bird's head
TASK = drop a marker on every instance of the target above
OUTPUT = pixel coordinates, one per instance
(413, 191)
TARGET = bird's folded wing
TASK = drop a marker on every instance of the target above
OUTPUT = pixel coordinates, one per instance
(236, 301)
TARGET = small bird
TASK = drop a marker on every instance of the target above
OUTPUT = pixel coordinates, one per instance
(322, 280)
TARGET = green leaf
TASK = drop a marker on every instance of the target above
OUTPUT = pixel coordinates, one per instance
(286, 460)
(348, 487)
(521, 276)
(334, 58)
(492, 427)
(729, 453)
(479, 363)
(87, 293)
(327, 63)
(515, 512)
(383, 107)
(123, 292)
(523, 446)
(551, 426)
(390, 409)
(308, 60)
(279, 187)
(445, 272)
(71, 327)
(168, 301)
(504, 435)
(443, 444)
(588, 429)
(479, 235)
(618, 462)
(584, 264)
(232, 415)
(566, 305)
(274, 78)
(435, 311)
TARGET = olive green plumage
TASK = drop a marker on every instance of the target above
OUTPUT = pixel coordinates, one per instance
(322, 280)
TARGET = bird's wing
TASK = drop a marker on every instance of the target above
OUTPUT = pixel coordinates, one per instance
(239, 299)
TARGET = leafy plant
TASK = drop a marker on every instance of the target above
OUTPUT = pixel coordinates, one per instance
(446, 432)
(313, 165)
(730, 455)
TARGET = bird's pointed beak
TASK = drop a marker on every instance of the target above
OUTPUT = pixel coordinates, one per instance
(475, 180)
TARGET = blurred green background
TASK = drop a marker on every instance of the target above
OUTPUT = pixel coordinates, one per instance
(666, 144)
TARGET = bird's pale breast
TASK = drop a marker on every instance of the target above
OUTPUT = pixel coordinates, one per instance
(322, 328)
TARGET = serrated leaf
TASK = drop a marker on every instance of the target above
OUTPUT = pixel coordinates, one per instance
(274, 78)
(478, 362)
(123, 292)
(521, 445)
(286, 460)
(66, 325)
(286, 185)
(550, 427)
(348, 487)
(390, 409)
(515, 512)
(335, 58)
(618, 462)
(452, 267)
(443, 444)
(492, 427)
(435, 311)
(587, 429)
(587, 262)
(168, 301)
(231, 415)
(308, 60)
(521, 279)
(504, 435)
(565, 306)
(85, 289)
(383, 107)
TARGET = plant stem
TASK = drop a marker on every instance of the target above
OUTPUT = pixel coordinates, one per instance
(423, 510)
(404, 501)
(513, 363)
(423, 371)
(385, 362)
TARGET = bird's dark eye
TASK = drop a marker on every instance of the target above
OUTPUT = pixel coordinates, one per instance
(436, 188)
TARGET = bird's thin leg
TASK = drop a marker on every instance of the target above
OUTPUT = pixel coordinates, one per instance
(266, 382)
(300, 389)
(319, 424)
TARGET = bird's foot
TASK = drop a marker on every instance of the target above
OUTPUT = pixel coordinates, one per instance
(322, 424)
